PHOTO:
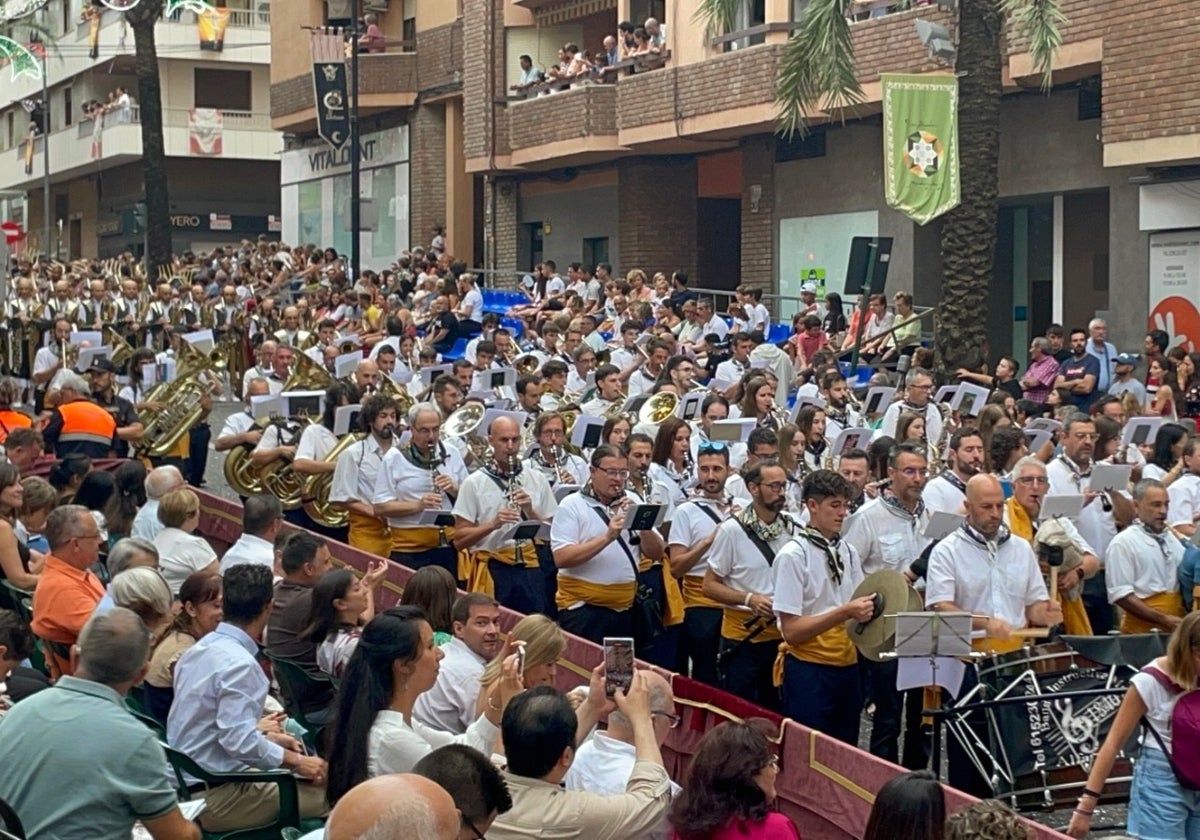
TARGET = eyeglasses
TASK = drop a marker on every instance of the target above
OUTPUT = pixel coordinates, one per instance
(478, 834)
(1029, 480)
(914, 472)
(675, 720)
(775, 486)
(613, 472)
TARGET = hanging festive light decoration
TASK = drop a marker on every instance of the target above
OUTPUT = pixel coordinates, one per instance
(16, 9)
(20, 59)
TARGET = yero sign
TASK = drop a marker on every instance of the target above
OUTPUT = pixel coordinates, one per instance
(188, 222)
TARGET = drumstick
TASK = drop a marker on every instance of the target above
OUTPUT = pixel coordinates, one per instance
(1030, 633)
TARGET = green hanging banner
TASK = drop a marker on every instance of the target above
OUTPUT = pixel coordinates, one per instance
(920, 144)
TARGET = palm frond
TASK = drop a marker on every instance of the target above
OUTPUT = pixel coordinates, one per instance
(718, 16)
(817, 70)
(1039, 22)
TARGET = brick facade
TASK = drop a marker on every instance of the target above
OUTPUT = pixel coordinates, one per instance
(587, 111)
(758, 222)
(440, 58)
(503, 250)
(483, 30)
(657, 229)
(427, 171)
(385, 73)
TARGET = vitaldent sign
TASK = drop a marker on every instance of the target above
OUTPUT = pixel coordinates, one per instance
(381, 148)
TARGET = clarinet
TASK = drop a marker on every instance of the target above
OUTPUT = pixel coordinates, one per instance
(434, 463)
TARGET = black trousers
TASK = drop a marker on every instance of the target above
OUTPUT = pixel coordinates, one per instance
(444, 556)
(549, 578)
(300, 517)
(198, 442)
(518, 587)
(1095, 604)
(594, 623)
(827, 698)
(747, 670)
(663, 650)
(894, 710)
(699, 643)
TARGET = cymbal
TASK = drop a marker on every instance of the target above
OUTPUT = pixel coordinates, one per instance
(894, 595)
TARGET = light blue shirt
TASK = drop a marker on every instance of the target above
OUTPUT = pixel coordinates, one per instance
(220, 690)
(106, 603)
(1107, 359)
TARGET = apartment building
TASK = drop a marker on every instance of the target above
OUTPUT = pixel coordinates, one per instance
(222, 153)
(678, 166)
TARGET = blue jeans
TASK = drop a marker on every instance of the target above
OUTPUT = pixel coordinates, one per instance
(1159, 809)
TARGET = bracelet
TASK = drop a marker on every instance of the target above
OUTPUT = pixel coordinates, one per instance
(746, 602)
(1087, 792)
(493, 706)
(1083, 813)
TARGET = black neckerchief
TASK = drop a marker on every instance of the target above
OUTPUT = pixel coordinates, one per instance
(833, 557)
(955, 481)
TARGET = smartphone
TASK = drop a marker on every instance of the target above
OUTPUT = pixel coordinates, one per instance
(618, 664)
(521, 660)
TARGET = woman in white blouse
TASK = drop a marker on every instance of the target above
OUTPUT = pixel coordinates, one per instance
(374, 731)
(180, 551)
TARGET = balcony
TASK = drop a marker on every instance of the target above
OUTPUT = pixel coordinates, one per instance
(245, 136)
(385, 80)
(567, 127)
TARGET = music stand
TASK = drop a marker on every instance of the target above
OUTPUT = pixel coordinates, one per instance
(930, 647)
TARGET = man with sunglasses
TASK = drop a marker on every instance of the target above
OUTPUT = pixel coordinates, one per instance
(739, 577)
(597, 570)
(693, 528)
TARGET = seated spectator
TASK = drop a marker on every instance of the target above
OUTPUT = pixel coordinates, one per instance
(127, 500)
(374, 731)
(37, 500)
(470, 305)
(991, 819)
(544, 645)
(95, 492)
(433, 590)
(159, 482)
(23, 448)
(306, 560)
(129, 553)
(730, 788)
(200, 611)
(473, 782)
(451, 704)
(220, 692)
(43, 739)
(541, 731)
(262, 518)
(66, 474)
(397, 805)
(372, 41)
(180, 551)
(911, 805)
(67, 593)
(16, 645)
(16, 561)
(144, 592)
(341, 604)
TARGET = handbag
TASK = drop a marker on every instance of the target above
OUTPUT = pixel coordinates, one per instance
(646, 610)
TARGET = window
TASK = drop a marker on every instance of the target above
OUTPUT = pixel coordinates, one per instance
(595, 250)
(12, 130)
(227, 90)
(67, 115)
(66, 16)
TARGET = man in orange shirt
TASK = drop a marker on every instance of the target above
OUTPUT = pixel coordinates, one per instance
(67, 593)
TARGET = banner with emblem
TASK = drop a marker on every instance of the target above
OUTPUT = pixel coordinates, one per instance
(920, 144)
(329, 87)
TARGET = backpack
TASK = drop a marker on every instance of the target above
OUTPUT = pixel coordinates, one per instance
(1187, 573)
(1185, 731)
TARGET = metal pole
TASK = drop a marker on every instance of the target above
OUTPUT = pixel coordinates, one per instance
(46, 152)
(868, 282)
(355, 155)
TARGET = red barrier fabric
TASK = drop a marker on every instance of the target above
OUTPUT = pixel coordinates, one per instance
(826, 787)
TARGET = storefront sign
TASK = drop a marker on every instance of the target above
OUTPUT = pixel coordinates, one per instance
(1175, 286)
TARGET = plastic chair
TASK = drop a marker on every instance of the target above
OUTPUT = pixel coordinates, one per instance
(779, 332)
(289, 796)
(294, 681)
(455, 352)
(153, 725)
(290, 834)
(16, 599)
(10, 822)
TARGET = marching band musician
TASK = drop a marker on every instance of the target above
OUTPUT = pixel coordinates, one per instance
(715, 407)
(554, 385)
(281, 368)
(918, 391)
(92, 312)
(48, 361)
(693, 528)
(810, 422)
(672, 468)
(529, 398)
(597, 570)
(264, 364)
(464, 373)
(316, 442)
(839, 415)
(489, 324)
(129, 311)
(1142, 565)
(386, 359)
(948, 489)
(240, 428)
(366, 377)
(63, 304)
(761, 445)
(356, 473)
(643, 380)
(423, 475)
(815, 579)
(196, 311)
(733, 369)
(583, 361)
(627, 357)
(290, 333)
(448, 395)
(265, 321)
(490, 500)
(888, 533)
(160, 318)
(327, 336)
(24, 334)
(608, 396)
(758, 403)
(739, 577)
(551, 458)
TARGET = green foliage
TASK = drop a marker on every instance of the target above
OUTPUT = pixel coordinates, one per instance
(817, 71)
(1039, 22)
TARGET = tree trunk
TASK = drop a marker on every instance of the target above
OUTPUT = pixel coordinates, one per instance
(969, 230)
(142, 19)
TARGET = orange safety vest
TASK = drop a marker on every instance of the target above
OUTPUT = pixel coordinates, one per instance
(10, 420)
(86, 422)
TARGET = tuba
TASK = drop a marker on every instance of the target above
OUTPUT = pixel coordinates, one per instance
(280, 478)
(658, 408)
(318, 486)
(183, 401)
(466, 423)
(239, 472)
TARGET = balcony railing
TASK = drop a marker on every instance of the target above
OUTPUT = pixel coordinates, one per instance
(178, 118)
(599, 75)
(256, 18)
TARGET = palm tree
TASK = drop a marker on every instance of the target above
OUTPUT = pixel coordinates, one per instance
(818, 73)
(142, 18)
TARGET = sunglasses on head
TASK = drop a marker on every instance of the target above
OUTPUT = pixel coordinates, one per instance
(712, 446)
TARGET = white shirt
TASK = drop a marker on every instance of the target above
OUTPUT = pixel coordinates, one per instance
(673, 487)
(577, 522)
(146, 523)
(555, 286)
(758, 318)
(962, 572)
(44, 360)
(356, 471)
(401, 480)
(804, 584)
(576, 384)
(1137, 564)
(602, 766)
(739, 563)
(450, 705)
(731, 371)
(395, 747)
(641, 382)
(571, 466)
(249, 549)
(595, 341)
(472, 305)
(885, 537)
(254, 372)
(1184, 500)
(316, 442)
(1160, 704)
(236, 424)
(691, 525)
(180, 554)
(1095, 524)
(716, 324)
(480, 499)
(941, 494)
(932, 415)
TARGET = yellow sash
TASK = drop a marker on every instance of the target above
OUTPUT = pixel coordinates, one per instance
(370, 533)
(417, 540)
(1075, 620)
(693, 593)
(1170, 603)
(481, 580)
(829, 648)
(1019, 522)
(614, 596)
(987, 645)
(733, 627)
